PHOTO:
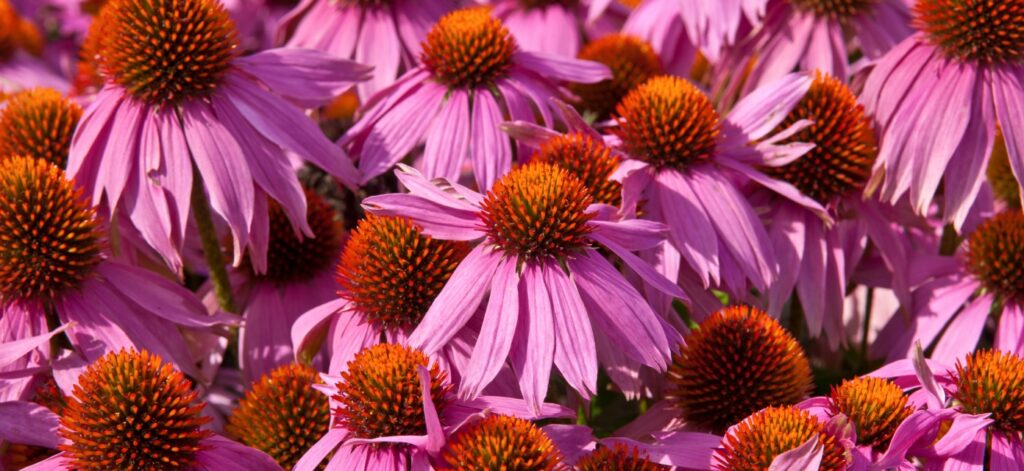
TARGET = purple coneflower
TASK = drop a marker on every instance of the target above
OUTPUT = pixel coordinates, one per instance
(393, 409)
(178, 98)
(938, 97)
(549, 286)
(473, 77)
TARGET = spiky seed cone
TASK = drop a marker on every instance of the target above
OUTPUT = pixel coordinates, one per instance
(737, 362)
(130, 410)
(631, 60)
(618, 457)
(984, 31)
(501, 442)
(38, 123)
(995, 254)
(760, 438)
(992, 382)
(876, 406)
(468, 47)
(291, 259)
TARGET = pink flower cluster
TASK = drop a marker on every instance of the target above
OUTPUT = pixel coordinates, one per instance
(511, 235)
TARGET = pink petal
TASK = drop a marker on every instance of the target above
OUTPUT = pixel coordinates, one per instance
(561, 68)
(803, 457)
(433, 218)
(766, 107)
(435, 434)
(114, 168)
(312, 78)
(221, 454)
(378, 45)
(15, 349)
(964, 331)
(28, 423)
(1007, 90)
(323, 447)
(310, 324)
(575, 352)
(490, 150)
(496, 333)
(691, 231)
(457, 301)
(159, 296)
(1010, 332)
(448, 140)
(399, 130)
(534, 346)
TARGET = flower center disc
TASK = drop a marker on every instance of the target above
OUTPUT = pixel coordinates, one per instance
(291, 259)
(618, 457)
(538, 211)
(282, 414)
(39, 123)
(756, 441)
(837, 9)
(501, 442)
(995, 254)
(165, 51)
(587, 159)
(739, 361)
(974, 30)
(392, 272)
(50, 238)
(876, 407)
(668, 122)
(380, 393)
(632, 62)
(843, 137)
(468, 47)
(130, 410)
(992, 382)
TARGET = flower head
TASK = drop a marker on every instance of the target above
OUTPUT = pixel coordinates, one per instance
(38, 123)
(282, 414)
(992, 382)
(844, 142)
(668, 122)
(131, 410)
(995, 254)
(876, 406)
(165, 51)
(760, 438)
(588, 159)
(737, 362)
(619, 457)
(501, 442)
(468, 47)
(392, 272)
(973, 30)
(380, 394)
(51, 239)
(538, 211)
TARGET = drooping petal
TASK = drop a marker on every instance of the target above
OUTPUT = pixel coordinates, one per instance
(311, 460)
(1010, 332)
(964, 331)
(448, 140)
(310, 325)
(490, 150)
(435, 219)
(314, 77)
(496, 332)
(533, 347)
(575, 350)
(563, 68)
(15, 349)
(28, 423)
(691, 231)
(457, 301)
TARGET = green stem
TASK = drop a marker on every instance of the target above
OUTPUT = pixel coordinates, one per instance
(211, 245)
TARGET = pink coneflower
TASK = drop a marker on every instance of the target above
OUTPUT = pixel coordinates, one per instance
(473, 78)
(817, 257)
(138, 388)
(784, 438)
(550, 289)
(388, 275)
(815, 35)
(385, 33)
(683, 159)
(887, 424)
(393, 409)
(51, 260)
(939, 96)
(959, 293)
(678, 29)
(981, 400)
(21, 44)
(296, 275)
(227, 117)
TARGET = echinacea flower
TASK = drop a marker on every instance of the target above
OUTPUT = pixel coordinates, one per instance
(938, 98)
(886, 423)
(814, 254)
(393, 409)
(38, 123)
(131, 410)
(473, 77)
(549, 287)
(178, 98)
(52, 260)
(736, 362)
(21, 45)
(282, 414)
(783, 438)
(684, 161)
(678, 29)
(388, 274)
(385, 33)
(501, 442)
(296, 275)
(980, 402)
(818, 35)
(958, 294)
